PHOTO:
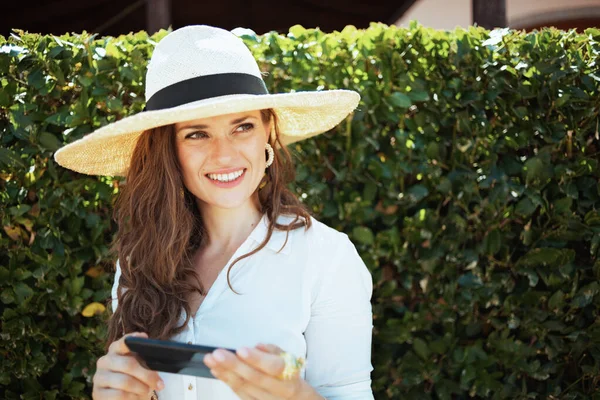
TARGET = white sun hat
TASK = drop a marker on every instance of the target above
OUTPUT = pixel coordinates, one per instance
(200, 71)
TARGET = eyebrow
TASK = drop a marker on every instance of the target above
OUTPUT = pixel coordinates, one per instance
(233, 122)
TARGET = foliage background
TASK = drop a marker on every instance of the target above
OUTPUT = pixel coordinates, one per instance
(467, 178)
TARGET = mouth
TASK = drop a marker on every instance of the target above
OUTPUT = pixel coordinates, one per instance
(227, 178)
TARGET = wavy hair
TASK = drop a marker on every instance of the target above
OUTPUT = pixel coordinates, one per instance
(160, 229)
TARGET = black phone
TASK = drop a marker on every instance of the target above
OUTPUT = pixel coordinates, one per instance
(171, 356)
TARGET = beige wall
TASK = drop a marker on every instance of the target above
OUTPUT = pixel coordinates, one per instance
(439, 14)
(448, 14)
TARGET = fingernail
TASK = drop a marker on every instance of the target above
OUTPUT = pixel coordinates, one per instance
(219, 356)
(243, 352)
(160, 385)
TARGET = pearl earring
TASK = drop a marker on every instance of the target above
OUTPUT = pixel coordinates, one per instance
(269, 149)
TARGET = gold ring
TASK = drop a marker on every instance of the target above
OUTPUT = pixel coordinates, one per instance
(293, 365)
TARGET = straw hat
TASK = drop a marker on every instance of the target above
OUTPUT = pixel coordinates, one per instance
(201, 71)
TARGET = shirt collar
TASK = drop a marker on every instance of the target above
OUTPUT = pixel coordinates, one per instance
(278, 238)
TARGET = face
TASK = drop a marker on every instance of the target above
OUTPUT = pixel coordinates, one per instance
(223, 158)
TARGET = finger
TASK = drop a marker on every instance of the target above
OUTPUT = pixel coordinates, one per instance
(232, 363)
(233, 380)
(150, 377)
(245, 396)
(269, 348)
(119, 346)
(130, 365)
(120, 382)
(243, 388)
(270, 363)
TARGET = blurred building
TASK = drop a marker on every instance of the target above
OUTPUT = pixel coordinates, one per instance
(115, 17)
(520, 14)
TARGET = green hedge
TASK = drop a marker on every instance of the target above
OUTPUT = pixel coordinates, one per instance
(468, 179)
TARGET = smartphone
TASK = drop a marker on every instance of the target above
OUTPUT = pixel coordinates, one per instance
(173, 357)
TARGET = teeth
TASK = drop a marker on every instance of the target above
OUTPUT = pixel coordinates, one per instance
(226, 177)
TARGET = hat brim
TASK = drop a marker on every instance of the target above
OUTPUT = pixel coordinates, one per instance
(107, 150)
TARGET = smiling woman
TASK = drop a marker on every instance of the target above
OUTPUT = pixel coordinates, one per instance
(212, 246)
(226, 151)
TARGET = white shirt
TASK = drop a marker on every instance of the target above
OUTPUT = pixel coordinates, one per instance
(312, 299)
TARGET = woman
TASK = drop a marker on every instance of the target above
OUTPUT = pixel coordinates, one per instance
(212, 248)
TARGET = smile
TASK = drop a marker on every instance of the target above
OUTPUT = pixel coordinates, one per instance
(232, 176)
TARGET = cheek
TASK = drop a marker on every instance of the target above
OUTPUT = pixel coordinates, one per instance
(190, 160)
(184, 159)
(259, 152)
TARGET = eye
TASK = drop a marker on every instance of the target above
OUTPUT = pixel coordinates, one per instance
(199, 134)
(246, 127)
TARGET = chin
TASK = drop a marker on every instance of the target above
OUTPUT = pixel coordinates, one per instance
(231, 200)
(228, 202)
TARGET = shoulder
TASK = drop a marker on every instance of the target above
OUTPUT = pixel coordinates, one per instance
(318, 236)
(320, 231)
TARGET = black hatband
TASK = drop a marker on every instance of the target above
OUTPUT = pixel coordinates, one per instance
(205, 87)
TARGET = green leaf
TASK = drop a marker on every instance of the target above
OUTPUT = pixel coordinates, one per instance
(562, 100)
(400, 100)
(55, 51)
(592, 218)
(418, 95)
(469, 280)
(297, 31)
(534, 168)
(595, 243)
(563, 206)
(22, 291)
(7, 296)
(10, 159)
(468, 375)
(492, 242)
(19, 210)
(370, 191)
(433, 151)
(557, 300)
(417, 193)
(586, 294)
(525, 207)
(77, 284)
(547, 257)
(76, 388)
(420, 347)
(49, 141)
(67, 378)
(363, 234)
(4, 274)
(36, 79)
(5, 98)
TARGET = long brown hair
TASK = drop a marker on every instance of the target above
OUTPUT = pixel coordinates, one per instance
(160, 229)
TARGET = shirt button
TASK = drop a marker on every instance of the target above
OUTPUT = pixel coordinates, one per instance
(190, 387)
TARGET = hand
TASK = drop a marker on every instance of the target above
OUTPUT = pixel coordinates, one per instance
(120, 374)
(255, 375)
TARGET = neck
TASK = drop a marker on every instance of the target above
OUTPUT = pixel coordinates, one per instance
(229, 227)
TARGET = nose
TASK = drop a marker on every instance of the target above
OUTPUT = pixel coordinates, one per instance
(223, 151)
